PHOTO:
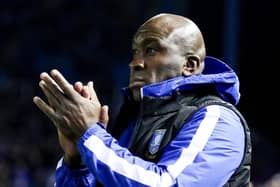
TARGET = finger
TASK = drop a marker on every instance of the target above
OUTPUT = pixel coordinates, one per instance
(46, 77)
(49, 111)
(92, 92)
(104, 116)
(66, 87)
(52, 99)
(82, 90)
(85, 92)
(44, 107)
(51, 85)
(78, 86)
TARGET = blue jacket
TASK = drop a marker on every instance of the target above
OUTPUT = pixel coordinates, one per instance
(206, 152)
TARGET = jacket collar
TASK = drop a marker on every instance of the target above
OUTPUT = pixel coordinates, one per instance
(216, 73)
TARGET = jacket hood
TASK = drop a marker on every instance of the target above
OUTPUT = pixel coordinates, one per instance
(216, 73)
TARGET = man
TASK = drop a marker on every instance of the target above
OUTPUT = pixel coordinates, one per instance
(177, 127)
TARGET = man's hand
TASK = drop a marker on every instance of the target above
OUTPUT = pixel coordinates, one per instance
(71, 154)
(86, 91)
(70, 112)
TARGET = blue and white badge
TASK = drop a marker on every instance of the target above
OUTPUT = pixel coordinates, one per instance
(156, 140)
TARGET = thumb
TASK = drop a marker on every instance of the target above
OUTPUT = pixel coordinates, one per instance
(104, 116)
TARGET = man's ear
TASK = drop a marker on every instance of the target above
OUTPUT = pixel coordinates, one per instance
(192, 65)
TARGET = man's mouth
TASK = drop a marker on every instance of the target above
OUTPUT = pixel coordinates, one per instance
(137, 82)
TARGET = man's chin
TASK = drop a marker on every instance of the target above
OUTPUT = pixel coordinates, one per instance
(135, 92)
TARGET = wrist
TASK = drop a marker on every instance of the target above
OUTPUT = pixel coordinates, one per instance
(74, 162)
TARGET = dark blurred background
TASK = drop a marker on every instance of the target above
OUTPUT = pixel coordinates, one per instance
(90, 40)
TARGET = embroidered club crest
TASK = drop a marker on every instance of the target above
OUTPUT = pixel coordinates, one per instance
(156, 140)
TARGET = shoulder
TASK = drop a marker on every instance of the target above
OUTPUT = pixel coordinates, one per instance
(217, 114)
(218, 123)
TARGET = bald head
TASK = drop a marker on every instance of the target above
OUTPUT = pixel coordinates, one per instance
(177, 29)
(164, 47)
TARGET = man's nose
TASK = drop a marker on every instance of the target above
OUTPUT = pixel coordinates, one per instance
(137, 63)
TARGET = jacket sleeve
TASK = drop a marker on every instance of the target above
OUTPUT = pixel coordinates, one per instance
(206, 152)
(67, 177)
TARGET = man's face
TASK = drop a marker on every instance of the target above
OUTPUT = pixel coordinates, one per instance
(156, 57)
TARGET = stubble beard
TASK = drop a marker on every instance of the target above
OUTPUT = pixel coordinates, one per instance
(136, 94)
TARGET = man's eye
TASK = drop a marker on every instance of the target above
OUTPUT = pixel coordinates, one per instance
(134, 51)
(150, 51)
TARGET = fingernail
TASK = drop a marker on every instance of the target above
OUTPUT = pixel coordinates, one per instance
(54, 72)
(41, 84)
(43, 75)
(106, 107)
(35, 98)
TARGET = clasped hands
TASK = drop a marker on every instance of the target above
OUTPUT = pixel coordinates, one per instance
(72, 108)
